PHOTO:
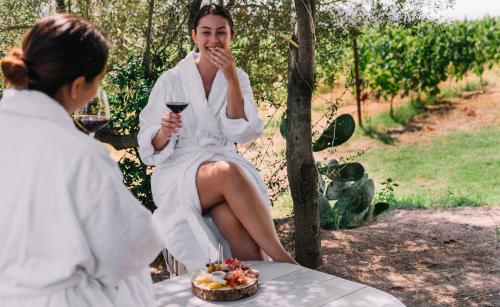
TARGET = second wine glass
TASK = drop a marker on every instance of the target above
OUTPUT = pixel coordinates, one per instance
(94, 115)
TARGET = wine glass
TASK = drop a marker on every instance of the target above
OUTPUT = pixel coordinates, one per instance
(95, 114)
(177, 101)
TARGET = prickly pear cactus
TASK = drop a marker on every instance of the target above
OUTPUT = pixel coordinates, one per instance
(346, 192)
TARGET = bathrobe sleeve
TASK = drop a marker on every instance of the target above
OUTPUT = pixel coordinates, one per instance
(243, 130)
(120, 231)
(150, 123)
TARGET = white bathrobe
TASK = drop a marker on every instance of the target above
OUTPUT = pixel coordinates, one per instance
(207, 135)
(71, 233)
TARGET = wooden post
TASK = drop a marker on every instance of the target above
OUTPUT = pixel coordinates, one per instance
(357, 79)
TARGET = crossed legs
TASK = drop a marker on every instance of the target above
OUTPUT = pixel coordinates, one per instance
(239, 212)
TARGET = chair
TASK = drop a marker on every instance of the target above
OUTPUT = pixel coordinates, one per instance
(174, 267)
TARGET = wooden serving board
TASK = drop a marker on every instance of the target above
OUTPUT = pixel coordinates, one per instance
(224, 295)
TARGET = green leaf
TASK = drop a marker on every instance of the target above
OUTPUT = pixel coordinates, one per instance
(380, 207)
(353, 171)
(283, 125)
(339, 131)
(337, 189)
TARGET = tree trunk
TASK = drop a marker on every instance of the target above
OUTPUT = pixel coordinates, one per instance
(148, 66)
(391, 109)
(60, 6)
(357, 78)
(302, 175)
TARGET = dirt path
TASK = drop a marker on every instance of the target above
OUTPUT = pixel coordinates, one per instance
(445, 257)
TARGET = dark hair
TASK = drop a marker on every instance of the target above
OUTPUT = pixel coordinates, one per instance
(55, 51)
(214, 9)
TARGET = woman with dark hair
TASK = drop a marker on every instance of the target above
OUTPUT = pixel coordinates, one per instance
(205, 192)
(71, 233)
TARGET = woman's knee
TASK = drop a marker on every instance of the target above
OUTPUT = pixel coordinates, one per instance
(230, 172)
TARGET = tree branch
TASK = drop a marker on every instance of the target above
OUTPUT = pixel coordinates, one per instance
(13, 28)
(118, 142)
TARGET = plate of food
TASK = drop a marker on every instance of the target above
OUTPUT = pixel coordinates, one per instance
(225, 281)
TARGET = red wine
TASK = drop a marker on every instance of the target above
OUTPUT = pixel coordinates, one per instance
(91, 123)
(177, 107)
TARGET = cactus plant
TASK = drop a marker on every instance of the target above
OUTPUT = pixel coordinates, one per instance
(346, 199)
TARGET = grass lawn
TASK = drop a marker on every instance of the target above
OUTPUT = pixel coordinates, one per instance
(461, 168)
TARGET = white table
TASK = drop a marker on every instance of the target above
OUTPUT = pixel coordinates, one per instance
(282, 284)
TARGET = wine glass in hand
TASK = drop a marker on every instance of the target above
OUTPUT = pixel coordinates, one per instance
(94, 115)
(177, 102)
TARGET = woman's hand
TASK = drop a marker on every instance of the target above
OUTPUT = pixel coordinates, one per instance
(223, 59)
(170, 122)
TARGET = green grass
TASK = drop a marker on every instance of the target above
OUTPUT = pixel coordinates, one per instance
(461, 168)
(377, 127)
(271, 123)
(449, 92)
(471, 86)
(458, 169)
(283, 206)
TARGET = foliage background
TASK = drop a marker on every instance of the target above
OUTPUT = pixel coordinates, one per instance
(400, 55)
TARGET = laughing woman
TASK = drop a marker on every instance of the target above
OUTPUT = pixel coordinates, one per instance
(205, 192)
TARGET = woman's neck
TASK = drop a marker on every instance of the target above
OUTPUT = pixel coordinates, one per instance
(206, 68)
(207, 72)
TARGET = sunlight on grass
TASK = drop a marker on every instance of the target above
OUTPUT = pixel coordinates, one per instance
(271, 123)
(283, 206)
(377, 127)
(450, 92)
(458, 169)
(471, 85)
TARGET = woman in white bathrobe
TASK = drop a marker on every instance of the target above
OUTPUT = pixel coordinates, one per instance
(205, 192)
(71, 232)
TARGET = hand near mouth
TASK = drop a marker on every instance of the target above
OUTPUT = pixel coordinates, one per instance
(223, 59)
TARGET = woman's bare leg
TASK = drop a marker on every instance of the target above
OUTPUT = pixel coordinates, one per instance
(221, 181)
(242, 245)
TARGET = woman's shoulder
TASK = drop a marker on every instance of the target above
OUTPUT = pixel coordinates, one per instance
(79, 146)
(169, 75)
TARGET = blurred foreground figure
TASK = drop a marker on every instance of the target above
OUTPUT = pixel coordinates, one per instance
(71, 232)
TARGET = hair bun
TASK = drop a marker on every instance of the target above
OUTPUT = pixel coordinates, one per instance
(14, 69)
